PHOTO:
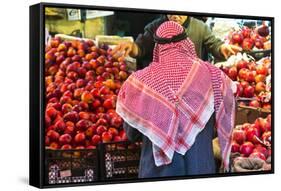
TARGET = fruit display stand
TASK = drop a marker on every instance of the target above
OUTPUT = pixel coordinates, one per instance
(119, 160)
(84, 137)
(71, 166)
(110, 161)
(248, 114)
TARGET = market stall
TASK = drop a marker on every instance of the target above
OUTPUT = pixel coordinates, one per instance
(84, 137)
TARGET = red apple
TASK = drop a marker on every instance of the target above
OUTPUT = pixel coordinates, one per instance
(252, 134)
(246, 32)
(244, 84)
(259, 44)
(232, 73)
(237, 38)
(239, 136)
(249, 92)
(239, 90)
(250, 76)
(261, 69)
(247, 44)
(255, 103)
(246, 148)
(243, 73)
(241, 64)
(261, 149)
(266, 136)
(235, 147)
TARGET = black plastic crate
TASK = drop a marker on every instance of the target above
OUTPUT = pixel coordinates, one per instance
(119, 160)
(71, 166)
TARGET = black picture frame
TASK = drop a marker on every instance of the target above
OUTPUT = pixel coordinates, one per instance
(37, 92)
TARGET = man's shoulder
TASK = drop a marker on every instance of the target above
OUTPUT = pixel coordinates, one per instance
(197, 23)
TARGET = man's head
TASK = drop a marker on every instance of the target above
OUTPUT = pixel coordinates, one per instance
(180, 19)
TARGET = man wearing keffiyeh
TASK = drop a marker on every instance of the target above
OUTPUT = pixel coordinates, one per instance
(175, 103)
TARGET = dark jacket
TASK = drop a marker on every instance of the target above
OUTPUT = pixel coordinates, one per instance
(199, 33)
(199, 159)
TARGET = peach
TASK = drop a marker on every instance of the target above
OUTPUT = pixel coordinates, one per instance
(80, 83)
(72, 75)
(123, 75)
(80, 138)
(71, 116)
(66, 108)
(60, 126)
(87, 97)
(100, 129)
(62, 47)
(51, 112)
(83, 105)
(47, 141)
(100, 70)
(113, 131)
(89, 132)
(82, 72)
(84, 115)
(106, 137)
(96, 139)
(83, 124)
(65, 139)
(65, 99)
(94, 63)
(69, 129)
(66, 147)
(76, 58)
(54, 146)
(53, 135)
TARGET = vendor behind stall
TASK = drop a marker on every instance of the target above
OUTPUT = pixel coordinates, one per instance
(197, 31)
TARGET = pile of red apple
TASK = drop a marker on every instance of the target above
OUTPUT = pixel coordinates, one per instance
(249, 39)
(253, 140)
(251, 82)
(82, 82)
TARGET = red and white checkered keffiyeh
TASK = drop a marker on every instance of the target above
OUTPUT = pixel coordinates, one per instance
(172, 99)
